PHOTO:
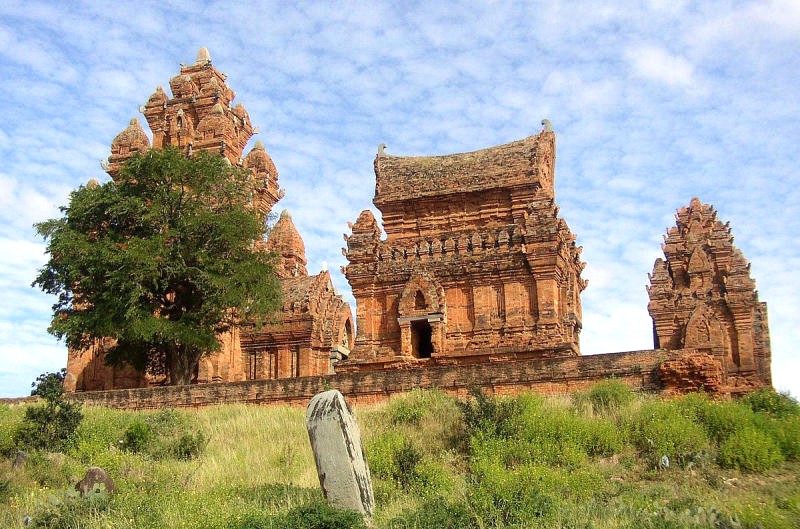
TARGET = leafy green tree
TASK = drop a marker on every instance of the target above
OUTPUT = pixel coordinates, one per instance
(51, 426)
(161, 261)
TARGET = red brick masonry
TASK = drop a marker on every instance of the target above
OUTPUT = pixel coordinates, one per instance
(638, 369)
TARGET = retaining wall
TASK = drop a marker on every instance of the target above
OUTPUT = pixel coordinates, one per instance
(638, 369)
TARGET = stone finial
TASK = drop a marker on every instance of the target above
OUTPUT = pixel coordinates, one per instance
(286, 215)
(382, 149)
(259, 145)
(341, 464)
(547, 126)
(92, 183)
(203, 57)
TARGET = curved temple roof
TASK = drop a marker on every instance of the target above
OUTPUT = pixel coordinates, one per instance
(519, 163)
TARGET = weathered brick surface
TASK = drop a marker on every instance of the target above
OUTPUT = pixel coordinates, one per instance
(475, 258)
(702, 297)
(638, 369)
(314, 319)
(699, 372)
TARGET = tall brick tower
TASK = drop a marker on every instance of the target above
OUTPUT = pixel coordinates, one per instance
(314, 327)
(200, 116)
(476, 263)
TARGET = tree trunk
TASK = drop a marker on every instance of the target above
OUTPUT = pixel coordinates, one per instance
(182, 364)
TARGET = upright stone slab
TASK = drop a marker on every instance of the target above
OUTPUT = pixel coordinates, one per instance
(341, 464)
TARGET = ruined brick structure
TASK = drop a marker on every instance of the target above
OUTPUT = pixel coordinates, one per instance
(313, 329)
(315, 324)
(475, 263)
(702, 297)
(476, 282)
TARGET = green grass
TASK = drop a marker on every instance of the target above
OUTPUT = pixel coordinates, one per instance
(590, 461)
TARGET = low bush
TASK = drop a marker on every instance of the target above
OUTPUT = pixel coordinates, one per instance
(767, 400)
(659, 429)
(492, 415)
(504, 498)
(71, 512)
(393, 457)
(609, 395)
(9, 423)
(190, 446)
(751, 450)
(137, 437)
(723, 419)
(435, 513)
(407, 409)
(51, 426)
(318, 515)
(786, 431)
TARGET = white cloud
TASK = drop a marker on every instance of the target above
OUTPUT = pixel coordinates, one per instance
(657, 64)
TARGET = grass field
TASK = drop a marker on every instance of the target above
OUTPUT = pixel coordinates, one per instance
(594, 460)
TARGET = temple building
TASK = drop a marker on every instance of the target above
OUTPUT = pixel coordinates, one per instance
(703, 298)
(314, 327)
(476, 264)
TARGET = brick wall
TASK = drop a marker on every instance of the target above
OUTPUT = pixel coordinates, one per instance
(638, 369)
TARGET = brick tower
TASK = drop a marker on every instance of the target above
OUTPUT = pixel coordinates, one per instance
(314, 327)
(702, 297)
(476, 262)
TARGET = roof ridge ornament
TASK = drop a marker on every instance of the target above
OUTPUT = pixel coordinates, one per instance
(382, 149)
(546, 125)
(203, 57)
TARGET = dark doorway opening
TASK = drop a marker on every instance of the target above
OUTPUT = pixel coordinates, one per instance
(421, 345)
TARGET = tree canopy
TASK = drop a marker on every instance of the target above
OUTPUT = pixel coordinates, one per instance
(161, 261)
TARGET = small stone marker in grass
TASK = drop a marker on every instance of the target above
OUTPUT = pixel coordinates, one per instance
(341, 464)
(95, 481)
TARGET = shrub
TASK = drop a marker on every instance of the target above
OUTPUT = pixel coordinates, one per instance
(51, 426)
(558, 436)
(5, 490)
(493, 415)
(723, 419)
(319, 515)
(71, 512)
(659, 429)
(190, 446)
(786, 431)
(407, 409)
(767, 400)
(749, 449)
(511, 498)
(609, 395)
(436, 513)
(9, 420)
(392, 456)
(137, 437)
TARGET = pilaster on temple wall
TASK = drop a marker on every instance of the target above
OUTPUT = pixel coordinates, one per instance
(475, 261)
(702, 297)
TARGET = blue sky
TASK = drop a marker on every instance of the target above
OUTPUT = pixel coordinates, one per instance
(653, 103)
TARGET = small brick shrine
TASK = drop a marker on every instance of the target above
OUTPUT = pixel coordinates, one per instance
(702, 297)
